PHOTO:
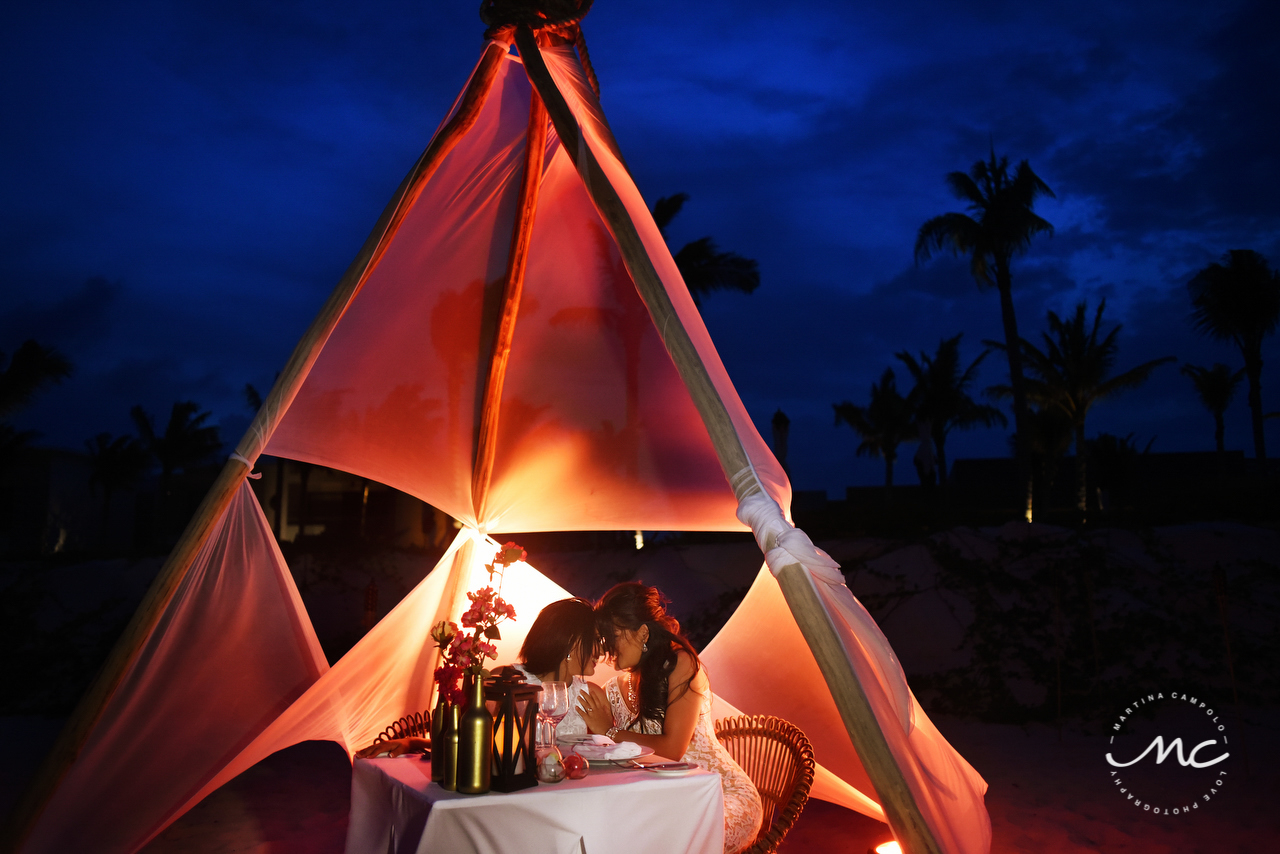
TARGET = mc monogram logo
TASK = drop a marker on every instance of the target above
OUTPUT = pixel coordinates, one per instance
(1179, 727)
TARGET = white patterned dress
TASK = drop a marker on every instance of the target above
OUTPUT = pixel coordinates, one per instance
(572, 723)
(742, 808)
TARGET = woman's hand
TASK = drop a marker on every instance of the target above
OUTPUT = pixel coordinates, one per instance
(394, 747)
(593, 708)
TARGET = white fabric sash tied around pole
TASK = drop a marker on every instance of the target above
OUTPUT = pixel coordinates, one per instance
(784, 545)
(252, 475)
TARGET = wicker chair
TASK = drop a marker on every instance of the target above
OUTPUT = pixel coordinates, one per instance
(779, 760)
(417, 725)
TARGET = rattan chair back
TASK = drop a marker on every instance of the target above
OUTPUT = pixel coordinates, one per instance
(779, 759)
(416, 725)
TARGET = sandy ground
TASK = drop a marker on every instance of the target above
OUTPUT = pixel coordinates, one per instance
(1049, 792)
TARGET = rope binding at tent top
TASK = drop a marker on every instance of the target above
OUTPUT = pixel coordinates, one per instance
(548, 18)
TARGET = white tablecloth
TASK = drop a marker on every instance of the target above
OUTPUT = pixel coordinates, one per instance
(396, 810)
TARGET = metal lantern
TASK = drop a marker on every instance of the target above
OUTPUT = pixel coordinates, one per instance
(514, 706)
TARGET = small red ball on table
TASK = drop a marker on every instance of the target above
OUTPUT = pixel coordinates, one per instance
(575, 767)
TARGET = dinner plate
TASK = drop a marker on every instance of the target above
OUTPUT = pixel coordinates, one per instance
(600, 752)
(672, 772)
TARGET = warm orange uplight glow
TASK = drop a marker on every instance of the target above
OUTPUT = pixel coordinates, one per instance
(523, 587)
(890, 847)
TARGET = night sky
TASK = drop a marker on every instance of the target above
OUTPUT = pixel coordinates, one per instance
(184, 183)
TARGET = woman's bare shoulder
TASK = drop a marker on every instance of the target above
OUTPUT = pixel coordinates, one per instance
(684, 672)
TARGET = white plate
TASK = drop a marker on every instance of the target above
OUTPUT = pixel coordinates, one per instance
(672, 772)
(600, 752)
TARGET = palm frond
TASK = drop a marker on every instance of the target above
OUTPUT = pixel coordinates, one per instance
(954, 232)
(32, 368)
(666, 208)
(705, 269)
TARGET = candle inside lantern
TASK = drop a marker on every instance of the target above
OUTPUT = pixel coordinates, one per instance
(514, 705)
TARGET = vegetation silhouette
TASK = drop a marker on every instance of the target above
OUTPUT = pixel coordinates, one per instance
(1072, 374)
(883, 424)
(115, 464)
(702, 265)
(186, 443)
(1000, 225)
(31, 369)
(940, 397)
(1215, 387)
(1238, 300)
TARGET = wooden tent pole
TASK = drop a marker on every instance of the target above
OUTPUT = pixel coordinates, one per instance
(513, 286)
(864, 731)
(81, 723)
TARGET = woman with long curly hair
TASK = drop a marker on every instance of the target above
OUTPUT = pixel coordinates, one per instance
(662, 699)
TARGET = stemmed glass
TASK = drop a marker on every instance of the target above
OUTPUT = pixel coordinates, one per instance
(554, 705)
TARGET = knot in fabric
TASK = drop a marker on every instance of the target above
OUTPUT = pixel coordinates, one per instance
(252, 475)
(558, 16)
(782, 543)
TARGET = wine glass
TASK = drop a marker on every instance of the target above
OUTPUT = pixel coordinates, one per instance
(555, 704)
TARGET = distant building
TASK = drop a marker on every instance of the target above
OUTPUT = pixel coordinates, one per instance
(48, 507)
(301, 500)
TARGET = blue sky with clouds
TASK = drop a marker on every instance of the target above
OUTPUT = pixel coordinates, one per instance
(183, 184)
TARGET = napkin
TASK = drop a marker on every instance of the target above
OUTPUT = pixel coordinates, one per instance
(608, 749)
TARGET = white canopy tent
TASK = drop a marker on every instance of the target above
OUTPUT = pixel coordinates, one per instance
(515, 346)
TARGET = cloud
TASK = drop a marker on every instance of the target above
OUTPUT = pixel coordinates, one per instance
(219, 165)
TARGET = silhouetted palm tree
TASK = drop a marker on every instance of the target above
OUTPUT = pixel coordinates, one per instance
(1072, 374)
(32, 368)
(1215, 386)
(1048, 439)
(999, 226)
(883, 424)
(1238, 300)
(186, 442)
(941, 395)
(115, 463)
(702, 265)
(252, 398)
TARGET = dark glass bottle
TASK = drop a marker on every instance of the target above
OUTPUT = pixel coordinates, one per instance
(475, 739)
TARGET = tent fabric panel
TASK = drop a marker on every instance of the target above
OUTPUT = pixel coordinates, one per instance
(944, 789)
(947, 790)
(564, 67)
(233, 649)
(393, 394)
(386, 674)
(597, 429)
(593, 412)
(761, 662)
(378, 681)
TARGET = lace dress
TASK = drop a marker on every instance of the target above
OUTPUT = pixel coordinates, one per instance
(742, 808)
(572, 723)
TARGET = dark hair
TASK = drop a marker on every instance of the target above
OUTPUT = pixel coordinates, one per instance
(629, 606)
(562, 629)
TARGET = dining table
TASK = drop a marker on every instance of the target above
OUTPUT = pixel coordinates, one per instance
(615, 809)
